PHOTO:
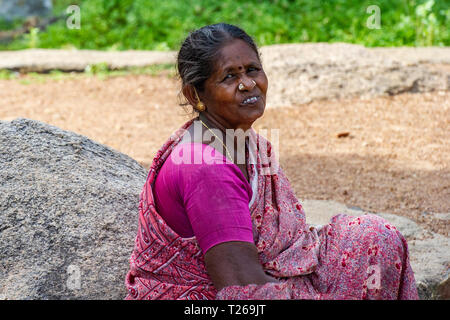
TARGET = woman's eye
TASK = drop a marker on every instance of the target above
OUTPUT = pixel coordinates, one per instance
(228, 76)
(252, 69)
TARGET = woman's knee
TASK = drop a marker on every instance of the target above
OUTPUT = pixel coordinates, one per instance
(370, 232)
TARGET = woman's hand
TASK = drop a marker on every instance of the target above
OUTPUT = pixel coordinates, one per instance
(235, 263)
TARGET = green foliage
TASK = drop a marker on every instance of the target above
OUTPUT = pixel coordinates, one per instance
(32, 38)
(6, 74)
(427, 26)
(163, 24)
(10, 25)
(103, 72)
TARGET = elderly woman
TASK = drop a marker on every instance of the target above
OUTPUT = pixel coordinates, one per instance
(218, 218)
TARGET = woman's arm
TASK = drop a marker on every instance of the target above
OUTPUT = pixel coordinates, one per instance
(216, 198)
(235, 263)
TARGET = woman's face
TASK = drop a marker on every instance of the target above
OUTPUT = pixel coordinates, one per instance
(231, 107)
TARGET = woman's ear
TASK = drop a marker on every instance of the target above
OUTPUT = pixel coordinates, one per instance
(189, 93)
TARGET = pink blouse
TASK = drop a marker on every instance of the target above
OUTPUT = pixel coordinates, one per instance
(198, 193)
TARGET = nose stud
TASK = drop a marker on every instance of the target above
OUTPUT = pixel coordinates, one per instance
(242, 87)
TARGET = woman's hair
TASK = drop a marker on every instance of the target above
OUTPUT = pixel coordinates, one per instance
(196, 58)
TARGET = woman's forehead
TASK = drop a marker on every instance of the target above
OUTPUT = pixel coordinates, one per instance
(234, 55)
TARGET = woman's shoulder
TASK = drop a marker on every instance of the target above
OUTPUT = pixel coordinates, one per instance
(195, 154)
(194, 161)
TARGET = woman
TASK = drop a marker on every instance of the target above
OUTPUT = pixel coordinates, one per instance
(213, 227)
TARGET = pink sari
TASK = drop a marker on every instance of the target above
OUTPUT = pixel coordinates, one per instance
(350, 258)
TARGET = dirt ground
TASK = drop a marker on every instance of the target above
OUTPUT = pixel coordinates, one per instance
(387, 154)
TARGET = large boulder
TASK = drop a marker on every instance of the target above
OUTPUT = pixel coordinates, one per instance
(68, 214)
(301, 73)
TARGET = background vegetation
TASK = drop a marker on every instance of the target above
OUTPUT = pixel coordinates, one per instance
(163, 24)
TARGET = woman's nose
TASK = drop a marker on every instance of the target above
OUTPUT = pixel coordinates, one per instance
(247, 83)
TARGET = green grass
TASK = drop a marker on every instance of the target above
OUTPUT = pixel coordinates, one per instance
(163, 24)
(100, 71)
(7, 75)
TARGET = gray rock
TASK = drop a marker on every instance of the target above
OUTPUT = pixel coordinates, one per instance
(429, 252)
(68, 214)
(45, 60)
(301, 73)
(430, 260)
(412, 55)
(12, 9)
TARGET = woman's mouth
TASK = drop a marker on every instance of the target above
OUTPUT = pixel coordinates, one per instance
(250, 101)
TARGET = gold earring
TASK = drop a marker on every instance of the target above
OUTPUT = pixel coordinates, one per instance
(200, 105)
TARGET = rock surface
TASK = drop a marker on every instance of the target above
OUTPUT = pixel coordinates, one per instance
(45, 60)
(68, 218)
(67, 214)
(301, 73)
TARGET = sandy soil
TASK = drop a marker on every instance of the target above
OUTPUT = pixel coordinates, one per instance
(387, 154)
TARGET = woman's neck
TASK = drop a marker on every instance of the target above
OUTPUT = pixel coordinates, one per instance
(212, 124)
